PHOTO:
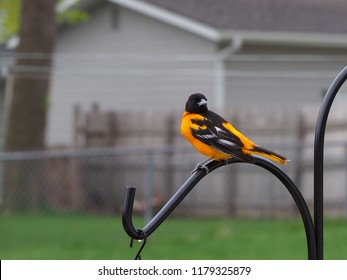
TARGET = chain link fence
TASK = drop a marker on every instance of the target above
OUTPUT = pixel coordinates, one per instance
(93, 181)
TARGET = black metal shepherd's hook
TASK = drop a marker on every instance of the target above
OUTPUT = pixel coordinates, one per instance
(319, 157)
(152, 225)
(314, 232)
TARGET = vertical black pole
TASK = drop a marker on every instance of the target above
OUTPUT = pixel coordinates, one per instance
(319, 156)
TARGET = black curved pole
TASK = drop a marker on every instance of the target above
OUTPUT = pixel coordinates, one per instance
(300, 203)
(167, 208)
(319, 157)
(193, 180)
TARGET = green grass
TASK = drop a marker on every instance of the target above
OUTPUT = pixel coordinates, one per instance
(77, 236)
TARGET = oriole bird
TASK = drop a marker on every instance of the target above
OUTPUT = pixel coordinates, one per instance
(216, 138)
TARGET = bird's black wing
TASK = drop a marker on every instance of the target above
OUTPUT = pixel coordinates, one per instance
(211, 132)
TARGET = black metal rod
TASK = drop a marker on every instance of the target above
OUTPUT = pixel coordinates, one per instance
(167, 208)
(300, 203)
(319, 157)
(194, 179)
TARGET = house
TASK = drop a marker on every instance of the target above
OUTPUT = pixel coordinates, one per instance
(151, 54)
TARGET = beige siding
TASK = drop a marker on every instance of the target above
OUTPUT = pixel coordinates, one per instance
(143, 64)
(281, 76)
(155, 80)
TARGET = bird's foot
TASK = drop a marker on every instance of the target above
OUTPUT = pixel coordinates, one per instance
(199, 167)
(202, 165)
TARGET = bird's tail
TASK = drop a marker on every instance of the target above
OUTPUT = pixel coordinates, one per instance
(256, 150)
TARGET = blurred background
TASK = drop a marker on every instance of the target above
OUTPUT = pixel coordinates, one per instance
(91, 98)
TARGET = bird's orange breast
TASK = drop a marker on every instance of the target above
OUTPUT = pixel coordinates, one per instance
(186, 129)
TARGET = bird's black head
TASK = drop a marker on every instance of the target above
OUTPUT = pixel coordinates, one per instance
(196, 103)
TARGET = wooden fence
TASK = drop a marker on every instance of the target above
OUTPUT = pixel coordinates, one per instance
(285, 130)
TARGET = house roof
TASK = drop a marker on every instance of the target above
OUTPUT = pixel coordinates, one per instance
(321, 22)
(266, 15)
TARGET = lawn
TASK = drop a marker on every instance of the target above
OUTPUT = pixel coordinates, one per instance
(79, 236)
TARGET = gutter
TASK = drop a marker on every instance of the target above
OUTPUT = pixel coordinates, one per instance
(284, 38)
(172, 18)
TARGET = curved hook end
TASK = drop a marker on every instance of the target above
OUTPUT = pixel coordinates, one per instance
(127, 214)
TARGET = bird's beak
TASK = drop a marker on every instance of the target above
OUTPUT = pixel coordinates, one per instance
(202, 102)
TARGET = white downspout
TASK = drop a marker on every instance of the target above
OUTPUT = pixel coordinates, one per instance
(219, 71)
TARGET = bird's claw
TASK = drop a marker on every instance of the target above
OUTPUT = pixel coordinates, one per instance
(199, 167)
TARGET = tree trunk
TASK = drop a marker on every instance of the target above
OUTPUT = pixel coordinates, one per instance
(26, 122)
(28, 109)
